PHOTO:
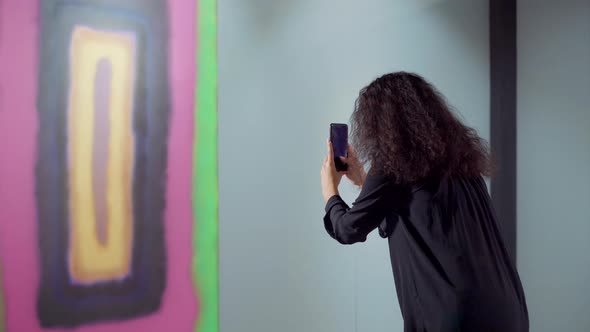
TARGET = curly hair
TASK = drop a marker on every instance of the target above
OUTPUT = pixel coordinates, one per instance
(405, 129)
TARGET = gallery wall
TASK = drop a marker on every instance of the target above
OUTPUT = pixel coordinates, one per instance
(287, 69)
(553, 158)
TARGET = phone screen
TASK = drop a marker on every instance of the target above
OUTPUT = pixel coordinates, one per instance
(339, 138)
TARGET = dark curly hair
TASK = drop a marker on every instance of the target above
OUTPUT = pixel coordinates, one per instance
(404, 128)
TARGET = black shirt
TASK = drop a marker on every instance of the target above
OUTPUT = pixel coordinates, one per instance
(451, 269)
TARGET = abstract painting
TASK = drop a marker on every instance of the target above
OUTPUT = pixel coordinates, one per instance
(108, 218)
(103, 106)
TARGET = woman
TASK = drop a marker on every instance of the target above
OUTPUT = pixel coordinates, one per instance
(425, 192)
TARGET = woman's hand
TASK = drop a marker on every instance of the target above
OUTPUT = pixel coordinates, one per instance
(356, 172)
(330, 176)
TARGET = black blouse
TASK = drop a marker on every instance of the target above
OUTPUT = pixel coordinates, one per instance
(451, 269)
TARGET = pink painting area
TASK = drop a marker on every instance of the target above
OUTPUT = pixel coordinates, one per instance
(18, 127)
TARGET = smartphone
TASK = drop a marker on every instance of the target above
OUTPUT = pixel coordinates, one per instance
(339, 139)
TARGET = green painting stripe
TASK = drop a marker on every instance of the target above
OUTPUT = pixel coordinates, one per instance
(205, 190)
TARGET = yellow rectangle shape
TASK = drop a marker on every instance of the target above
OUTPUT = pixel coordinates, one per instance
(90, 260)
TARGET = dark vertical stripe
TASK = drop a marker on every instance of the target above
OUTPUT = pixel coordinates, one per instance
(503, 115)
(100, 147)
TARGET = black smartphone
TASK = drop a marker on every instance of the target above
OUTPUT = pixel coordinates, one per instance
(339, 139)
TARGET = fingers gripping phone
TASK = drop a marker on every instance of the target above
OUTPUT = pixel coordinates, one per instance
(339, 139)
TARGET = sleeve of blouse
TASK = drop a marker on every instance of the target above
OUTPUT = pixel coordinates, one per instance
(349, 225)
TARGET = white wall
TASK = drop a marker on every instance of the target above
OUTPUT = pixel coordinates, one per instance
(554, 162)
(286, 70)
